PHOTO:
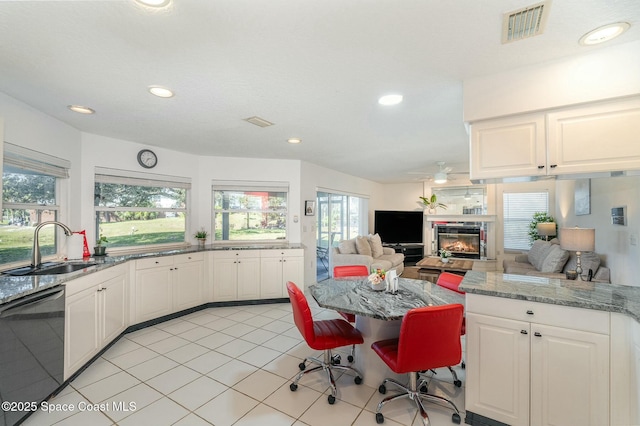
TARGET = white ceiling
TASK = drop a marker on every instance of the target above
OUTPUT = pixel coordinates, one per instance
(315, 68)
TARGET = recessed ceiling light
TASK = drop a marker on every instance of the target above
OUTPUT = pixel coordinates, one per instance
(390, 100)
(160, 91)
(602, 34)
(154, 3)
(294, 140)
(81, 109)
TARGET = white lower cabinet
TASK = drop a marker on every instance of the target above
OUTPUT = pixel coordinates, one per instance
(168, 284)
(96, 310)
(277, 267)
(236, 275)
(535, 364)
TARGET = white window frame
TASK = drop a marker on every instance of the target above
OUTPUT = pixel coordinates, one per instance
(127, 177)
(34, 161)
(248, 186)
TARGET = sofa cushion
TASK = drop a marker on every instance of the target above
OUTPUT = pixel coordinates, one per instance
(376, 245)
(538, 252)
(589, 260)
(395, 258)
(555, 260)
(363, 246)
(348, 246)
(381, 263)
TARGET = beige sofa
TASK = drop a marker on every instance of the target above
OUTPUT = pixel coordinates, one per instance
(367, 251)
(547, 259)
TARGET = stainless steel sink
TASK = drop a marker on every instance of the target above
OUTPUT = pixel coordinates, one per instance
(50, 269)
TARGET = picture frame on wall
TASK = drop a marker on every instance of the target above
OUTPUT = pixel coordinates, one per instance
(583, 197)
(309, 208)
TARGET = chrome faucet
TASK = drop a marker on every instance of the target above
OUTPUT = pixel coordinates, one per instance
(36, 256)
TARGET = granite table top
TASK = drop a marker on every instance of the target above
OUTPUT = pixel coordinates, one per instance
(15, 287)
(355, 296)
(581, 294)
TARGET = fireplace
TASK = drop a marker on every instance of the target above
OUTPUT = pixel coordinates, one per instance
(462, 241)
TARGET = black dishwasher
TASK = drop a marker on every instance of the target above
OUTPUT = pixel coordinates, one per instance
(31, 352)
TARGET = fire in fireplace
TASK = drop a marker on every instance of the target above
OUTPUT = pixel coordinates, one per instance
(461, 241)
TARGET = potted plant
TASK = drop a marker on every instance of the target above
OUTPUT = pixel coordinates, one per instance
(432, 203)
(201, 235)
(444, 255)
(99, 249)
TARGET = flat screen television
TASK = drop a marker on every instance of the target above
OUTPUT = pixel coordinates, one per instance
(399, 227)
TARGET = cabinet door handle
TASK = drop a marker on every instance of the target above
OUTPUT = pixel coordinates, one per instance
(176, 268)
(284, 260)
(171, 269)
(529, 312)
(537, 334)
(157, 262)
(553, 166)
(540, 167)
(524, 332)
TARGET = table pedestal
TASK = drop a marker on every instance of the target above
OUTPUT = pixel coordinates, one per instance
(373, 369)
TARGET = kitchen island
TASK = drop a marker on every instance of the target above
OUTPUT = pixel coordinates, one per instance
(551, 351)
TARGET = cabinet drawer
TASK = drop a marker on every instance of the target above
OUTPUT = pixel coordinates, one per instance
(154, 262)
(189, 257)
(282, 253)
(540, 313)
(236, 254)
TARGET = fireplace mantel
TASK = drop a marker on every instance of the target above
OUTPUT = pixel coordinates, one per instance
(461, 218)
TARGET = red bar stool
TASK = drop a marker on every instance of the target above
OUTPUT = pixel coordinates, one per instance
(429, 339)
(322, 335)
(342, 272)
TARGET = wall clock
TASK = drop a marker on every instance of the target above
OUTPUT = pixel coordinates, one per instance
(147, 158)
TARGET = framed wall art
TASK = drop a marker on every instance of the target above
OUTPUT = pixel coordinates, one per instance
(309, 208)
(583, 197)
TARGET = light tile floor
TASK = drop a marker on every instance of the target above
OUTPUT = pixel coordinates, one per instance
(225, 366)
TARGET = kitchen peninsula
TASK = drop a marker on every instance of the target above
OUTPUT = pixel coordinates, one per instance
(551, 351)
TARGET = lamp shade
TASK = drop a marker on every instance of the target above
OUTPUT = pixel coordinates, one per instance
(578, 239)
(546, 229)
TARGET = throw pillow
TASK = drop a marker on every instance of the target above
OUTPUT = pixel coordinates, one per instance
(589, 260)
(555, 260)
(363, 246)
(347, 247)
(538, 252)
(376, 245)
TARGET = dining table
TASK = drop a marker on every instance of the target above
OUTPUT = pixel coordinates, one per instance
(378, 314)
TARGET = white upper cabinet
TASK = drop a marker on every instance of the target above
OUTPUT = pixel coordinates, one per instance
(508, 147)
(594, 138)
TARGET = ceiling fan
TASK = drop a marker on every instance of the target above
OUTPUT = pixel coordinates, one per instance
(441, 176)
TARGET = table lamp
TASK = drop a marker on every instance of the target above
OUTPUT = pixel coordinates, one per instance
(578, 240)
(546, 229)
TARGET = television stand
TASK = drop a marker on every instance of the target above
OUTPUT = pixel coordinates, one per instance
(413, 253)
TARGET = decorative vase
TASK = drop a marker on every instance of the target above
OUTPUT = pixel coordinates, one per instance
(201, 242)
(99, 250)
(444, 259)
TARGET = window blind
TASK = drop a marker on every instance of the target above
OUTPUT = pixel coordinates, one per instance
(518, 210)
(20, 159)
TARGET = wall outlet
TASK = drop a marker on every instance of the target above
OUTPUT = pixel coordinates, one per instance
(633, 239)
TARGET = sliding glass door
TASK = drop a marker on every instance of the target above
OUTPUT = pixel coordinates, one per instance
(340, 217)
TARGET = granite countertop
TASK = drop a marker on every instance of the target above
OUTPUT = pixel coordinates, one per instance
(15, 287)
(355, 296)
(581, 294)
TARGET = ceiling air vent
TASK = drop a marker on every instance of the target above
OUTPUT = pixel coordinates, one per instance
(260, 122)
(524, 23)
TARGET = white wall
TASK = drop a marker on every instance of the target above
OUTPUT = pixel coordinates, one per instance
(613, 242)
(604, 72)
